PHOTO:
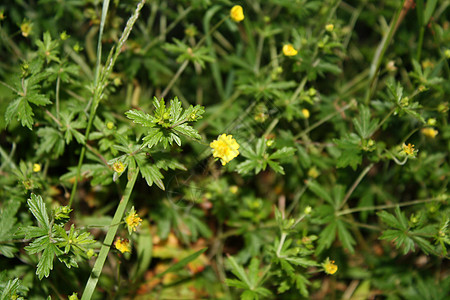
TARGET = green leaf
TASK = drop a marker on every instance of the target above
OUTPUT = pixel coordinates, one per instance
(390, 220)
(238, 271)
(151, 174)
(276, 167)
(51, 141)
(188, 131)
(46, 261)
(141, 117)
(345, 237)
(7, 227)
(285, 152)
(39, 211)
(30, 232)
(363, 125)
(22, 110)
(180, 265)
(10, 289)
(327, 237)
(429, 9)
(317, 189)
(350, 152)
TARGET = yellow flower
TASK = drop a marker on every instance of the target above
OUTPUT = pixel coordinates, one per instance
(329, 27)
(36, 168)
(234, 189)
(118, 166)
(313, 172)
(123, 245)
(329, 267)
(26, 27)
(408, 150)
(305, 113)
(289, 50)
(429, 132)
(132, 220)
(110, 125)
(237, 13)
(225, 147)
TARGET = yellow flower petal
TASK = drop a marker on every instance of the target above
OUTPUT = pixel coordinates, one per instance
(289, 50)
(225, 148)
(122, 245)
(237, 13)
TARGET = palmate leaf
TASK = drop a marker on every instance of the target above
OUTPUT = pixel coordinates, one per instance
(168, 123)
(350, 152)
(22, 110)
(363, 125)
(27, 92)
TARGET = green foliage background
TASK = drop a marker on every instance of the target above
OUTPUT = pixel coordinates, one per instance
(344, 149)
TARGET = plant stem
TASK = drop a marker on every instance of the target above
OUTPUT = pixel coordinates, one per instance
(58, 83)
(320, 122)
(97, 270)
(174, 78)
(95, 101)
(381, 50)
(280, 246)
(355, 184)
(101, 78)
(380, 207)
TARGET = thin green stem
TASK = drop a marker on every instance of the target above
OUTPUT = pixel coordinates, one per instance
(58, 84)
(381, 50)
(95, 101)
(282, 240)
(98, 266)
(320, 122)
(101, 79)
(174, 78)
(380, 207)
(8, 86)
(355, 184)
(384, 120)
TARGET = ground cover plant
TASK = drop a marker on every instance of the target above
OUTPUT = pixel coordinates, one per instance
(224, 150)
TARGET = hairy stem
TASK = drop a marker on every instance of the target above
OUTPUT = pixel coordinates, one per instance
(97, 270)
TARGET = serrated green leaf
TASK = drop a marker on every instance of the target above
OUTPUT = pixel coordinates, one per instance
(30, 232)
(238, 271)
(153, 137)
(345, 237)
(235, 283)
(327, 237)
(317, 189)
(141, 117)
(284, 152)
(304, 262)
(390, 220)
(38, 99)
(188, 131)
(276, 167)
(10, 289)
(363, 125)
(39, 211)
(45, 264)
(22, 110)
